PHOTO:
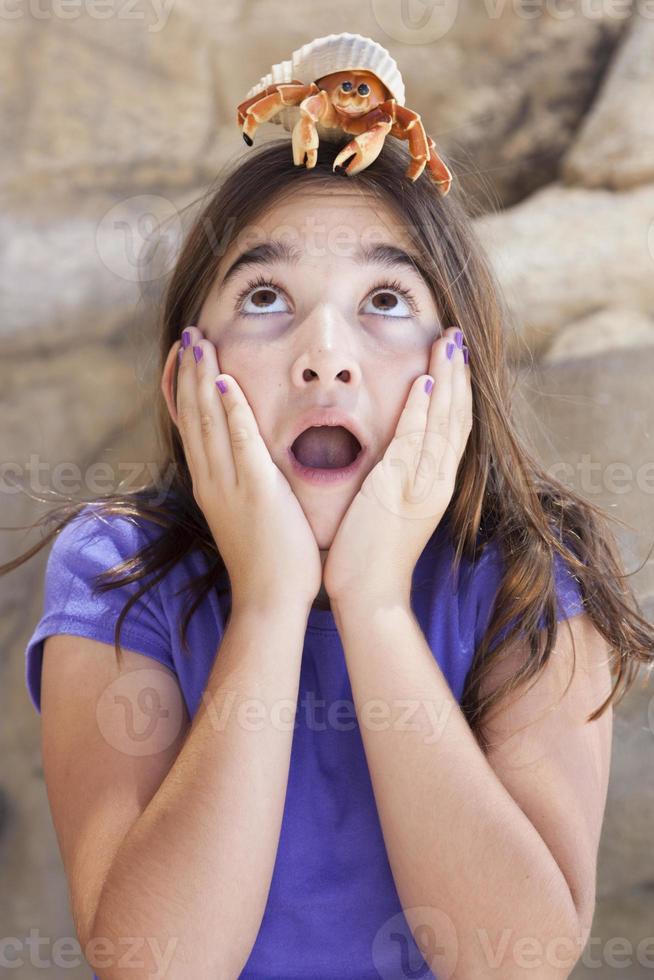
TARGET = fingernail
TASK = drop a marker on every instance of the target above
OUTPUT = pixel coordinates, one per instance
(222, 387)
(197, 353)
(429, 384)
(450, 351)
(186, 338)
(465, 355)
(458, 338)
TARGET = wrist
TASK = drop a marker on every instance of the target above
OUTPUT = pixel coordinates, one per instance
(371, 600)
(270, 604)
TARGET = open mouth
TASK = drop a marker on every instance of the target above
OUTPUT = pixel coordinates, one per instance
(325, 453)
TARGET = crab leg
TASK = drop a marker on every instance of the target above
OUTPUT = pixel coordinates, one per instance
(408, 126)
(366, 147)
(439, 173)
(305, 135)
(242, 107)
(264, 107)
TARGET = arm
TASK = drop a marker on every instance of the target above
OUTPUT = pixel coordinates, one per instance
(196, 866)
(475, 845)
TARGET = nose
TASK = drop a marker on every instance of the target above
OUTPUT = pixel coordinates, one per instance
(325, 358)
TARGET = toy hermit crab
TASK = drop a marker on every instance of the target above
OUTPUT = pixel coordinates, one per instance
(342, 84)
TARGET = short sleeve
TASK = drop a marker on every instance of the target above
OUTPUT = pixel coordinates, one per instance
(487, 582)
(90, 544)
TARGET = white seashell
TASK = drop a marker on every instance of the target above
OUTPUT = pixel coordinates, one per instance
(324, 55)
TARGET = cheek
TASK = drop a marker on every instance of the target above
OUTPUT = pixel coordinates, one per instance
(255, 374)
(387, 394)
(252, 374)
(246, 362)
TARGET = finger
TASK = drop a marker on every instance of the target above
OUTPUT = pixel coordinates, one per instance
(423, 464)
(213, 427)
(438, 432)
(249, 452)
(188, 408)
(461, 414)
(413, 418)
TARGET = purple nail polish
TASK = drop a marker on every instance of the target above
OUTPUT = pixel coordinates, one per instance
(429, 384)
(458, 338)
(449, 351)
(222, 387)
(197, 353)
(186, 338)
(465, 355)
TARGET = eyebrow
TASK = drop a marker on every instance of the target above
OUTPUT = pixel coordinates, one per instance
(280, 251)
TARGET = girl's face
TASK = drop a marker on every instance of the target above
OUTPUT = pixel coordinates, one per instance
(307, 322)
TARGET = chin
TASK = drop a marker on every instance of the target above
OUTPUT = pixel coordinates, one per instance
(324, 521)
(324, 537)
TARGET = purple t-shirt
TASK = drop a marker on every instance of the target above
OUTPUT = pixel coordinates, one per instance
(333, 910)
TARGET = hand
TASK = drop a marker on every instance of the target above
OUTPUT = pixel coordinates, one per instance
(255, 518)
(403, 498)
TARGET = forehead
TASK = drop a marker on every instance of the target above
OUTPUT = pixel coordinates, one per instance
(325, 223)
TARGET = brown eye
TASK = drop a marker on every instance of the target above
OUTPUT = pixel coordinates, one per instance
(385, 301)
(259, 299)
(262, 297)
(391, 303)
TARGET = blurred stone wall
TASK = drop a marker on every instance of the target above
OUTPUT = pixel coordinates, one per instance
(116, 116)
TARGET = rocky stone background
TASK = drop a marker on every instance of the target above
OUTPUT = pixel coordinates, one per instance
(115, 115)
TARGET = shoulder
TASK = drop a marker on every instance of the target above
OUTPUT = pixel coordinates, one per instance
(105, 564)
(483, 583)
(94, 529)
(80, 599)
(98, 540)
(490, 586)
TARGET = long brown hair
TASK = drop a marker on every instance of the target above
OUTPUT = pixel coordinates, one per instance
(501, 491)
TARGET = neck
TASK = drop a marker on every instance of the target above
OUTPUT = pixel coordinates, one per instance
(322, 600)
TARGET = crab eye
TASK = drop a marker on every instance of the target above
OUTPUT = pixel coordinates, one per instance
(363, 89)
(346, 86)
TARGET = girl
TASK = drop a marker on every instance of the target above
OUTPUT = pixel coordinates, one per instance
(292, 768)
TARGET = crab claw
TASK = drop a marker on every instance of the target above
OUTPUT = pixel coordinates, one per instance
(305, 142)
(363, 149)
(355, 156)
